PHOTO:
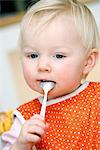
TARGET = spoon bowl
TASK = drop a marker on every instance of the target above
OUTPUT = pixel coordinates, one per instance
(47, 86)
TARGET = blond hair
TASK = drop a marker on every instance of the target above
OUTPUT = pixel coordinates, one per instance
(45, 11)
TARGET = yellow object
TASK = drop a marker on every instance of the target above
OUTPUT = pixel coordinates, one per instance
(5, 121)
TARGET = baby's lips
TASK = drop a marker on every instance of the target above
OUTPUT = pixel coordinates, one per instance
(46, 80)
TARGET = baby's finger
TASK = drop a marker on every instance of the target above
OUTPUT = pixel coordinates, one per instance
(37, 130)
(37, 121)
(33, 138)
(37, 116)
(47, 126)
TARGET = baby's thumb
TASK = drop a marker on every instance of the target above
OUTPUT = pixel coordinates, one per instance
(47, 126)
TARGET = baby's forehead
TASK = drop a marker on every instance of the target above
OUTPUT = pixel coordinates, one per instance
(61, 26)
(59, 32)
(38, 25)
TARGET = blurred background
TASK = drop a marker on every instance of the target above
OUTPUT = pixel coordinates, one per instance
(13, 89)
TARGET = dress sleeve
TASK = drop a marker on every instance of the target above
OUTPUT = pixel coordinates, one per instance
(9, 137)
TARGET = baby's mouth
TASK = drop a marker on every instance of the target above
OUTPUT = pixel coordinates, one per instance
(47, 81)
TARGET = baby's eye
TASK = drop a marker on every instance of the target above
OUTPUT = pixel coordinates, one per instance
(59, 56)
(33, 55)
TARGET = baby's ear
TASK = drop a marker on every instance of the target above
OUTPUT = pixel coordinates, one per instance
(91, 60)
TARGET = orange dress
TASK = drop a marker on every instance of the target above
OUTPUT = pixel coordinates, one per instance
(73, 121)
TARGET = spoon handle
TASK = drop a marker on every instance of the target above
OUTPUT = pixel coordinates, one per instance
(43, 108)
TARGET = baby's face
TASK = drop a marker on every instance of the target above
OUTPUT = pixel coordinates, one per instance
(55, 54)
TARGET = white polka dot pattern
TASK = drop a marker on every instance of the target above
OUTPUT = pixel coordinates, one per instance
(73, 122)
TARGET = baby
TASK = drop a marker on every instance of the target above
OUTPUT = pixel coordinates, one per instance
(59, 41)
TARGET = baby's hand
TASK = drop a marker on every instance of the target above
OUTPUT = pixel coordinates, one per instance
(32, 131)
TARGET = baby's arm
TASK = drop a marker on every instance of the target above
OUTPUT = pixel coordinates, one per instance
(26, 137)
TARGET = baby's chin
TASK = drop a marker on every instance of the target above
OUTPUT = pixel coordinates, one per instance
(53, 95)
(50, 95)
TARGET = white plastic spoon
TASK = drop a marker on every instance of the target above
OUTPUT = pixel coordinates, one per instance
(46, 86)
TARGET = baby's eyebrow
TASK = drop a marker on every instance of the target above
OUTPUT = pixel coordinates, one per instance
(29, 48)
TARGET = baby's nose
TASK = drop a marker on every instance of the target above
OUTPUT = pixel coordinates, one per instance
(44, 65)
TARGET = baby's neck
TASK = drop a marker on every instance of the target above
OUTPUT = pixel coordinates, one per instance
(69, 93)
